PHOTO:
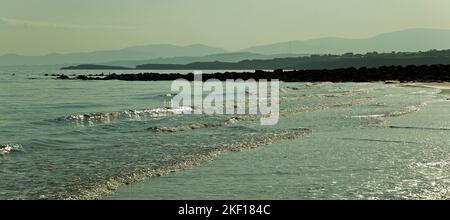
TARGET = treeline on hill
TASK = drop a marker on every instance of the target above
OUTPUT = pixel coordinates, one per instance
(373, 59)
(411, 73)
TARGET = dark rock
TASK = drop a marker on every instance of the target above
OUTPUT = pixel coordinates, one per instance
(62, 77)
(82, 77)
(389, 74)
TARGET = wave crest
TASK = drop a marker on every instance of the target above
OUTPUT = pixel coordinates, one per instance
(7, 148)
(99, 189)
(194, 126)
(132, 114)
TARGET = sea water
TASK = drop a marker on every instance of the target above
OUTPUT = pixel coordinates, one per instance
(116, 139)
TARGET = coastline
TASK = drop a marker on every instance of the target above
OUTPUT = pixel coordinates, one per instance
(443, 85)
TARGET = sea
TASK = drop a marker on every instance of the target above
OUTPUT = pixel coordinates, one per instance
(72, 139)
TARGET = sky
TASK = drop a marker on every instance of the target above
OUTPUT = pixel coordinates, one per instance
(36, 27)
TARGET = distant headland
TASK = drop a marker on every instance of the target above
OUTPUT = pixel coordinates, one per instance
(94, 67)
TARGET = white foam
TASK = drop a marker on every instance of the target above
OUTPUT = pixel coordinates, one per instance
(157, 112)
(6, 148)
(367, 116)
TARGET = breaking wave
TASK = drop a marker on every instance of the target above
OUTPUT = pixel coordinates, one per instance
(98, 189)
(156, 112)
(331, 94)
(132, 114)
(7, 148)
(379, 119)
(94, 117)
(193, 126)
(318, 107)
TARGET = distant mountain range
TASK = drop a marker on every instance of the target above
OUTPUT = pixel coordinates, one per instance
(411, 40)
(94, 67)
(131, 53)
(373, 59)
(407, 40)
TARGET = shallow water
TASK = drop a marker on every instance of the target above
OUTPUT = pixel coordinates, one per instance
(342, 141)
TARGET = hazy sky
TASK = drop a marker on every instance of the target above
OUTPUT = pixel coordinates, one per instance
(34, 27)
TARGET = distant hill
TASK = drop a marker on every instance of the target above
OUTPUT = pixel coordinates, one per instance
(222, 57)
(412, 40)
(94, 67)
(131, 53)
(318, 62)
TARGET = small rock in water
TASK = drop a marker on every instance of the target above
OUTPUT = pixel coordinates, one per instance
(392, 82)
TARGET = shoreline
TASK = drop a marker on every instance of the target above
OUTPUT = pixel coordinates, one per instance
(442, 85)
